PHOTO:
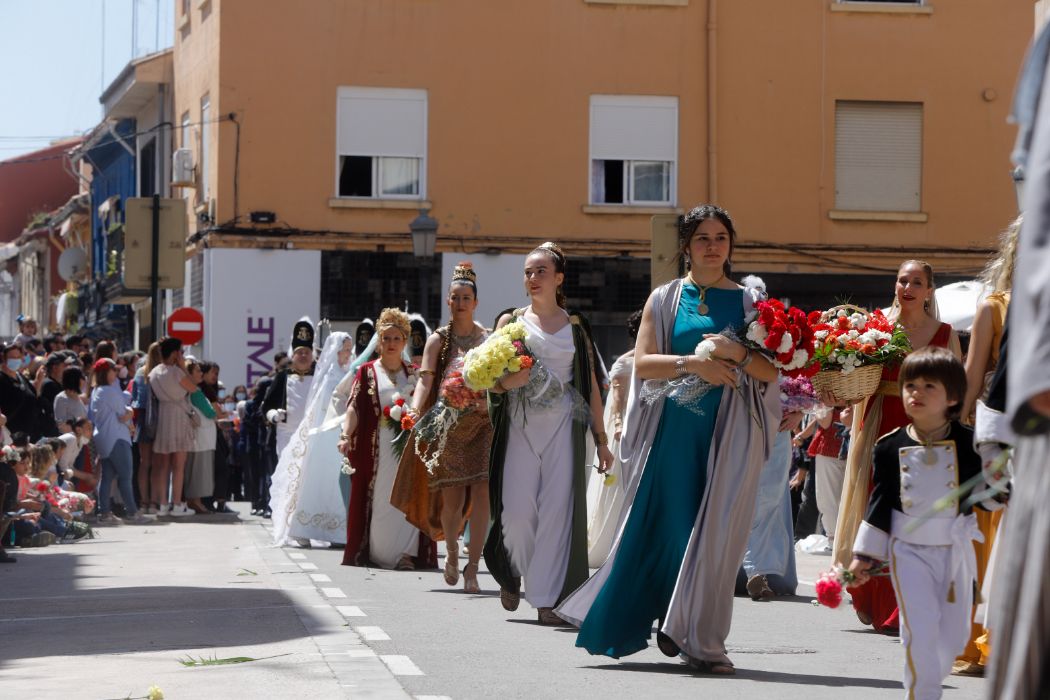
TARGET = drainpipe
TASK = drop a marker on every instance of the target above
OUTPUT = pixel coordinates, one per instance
(712, 101)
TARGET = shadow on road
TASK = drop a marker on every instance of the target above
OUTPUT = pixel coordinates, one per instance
(752, 674)
(52, 610)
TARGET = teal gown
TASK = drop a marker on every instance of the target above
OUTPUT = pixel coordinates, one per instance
(644, 572)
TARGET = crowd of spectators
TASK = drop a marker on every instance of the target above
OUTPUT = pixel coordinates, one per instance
(93, 437)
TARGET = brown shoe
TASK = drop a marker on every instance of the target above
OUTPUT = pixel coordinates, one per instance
(548, 618)
(405, 563)
(758, 588)
(509, 599)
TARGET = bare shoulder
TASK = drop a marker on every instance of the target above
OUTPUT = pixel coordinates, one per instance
(504, 320)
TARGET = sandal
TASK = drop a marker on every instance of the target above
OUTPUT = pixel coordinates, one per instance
(510, 599)
(470, 579)
(711, 668)
(452, 563)
(405, 563)
(667, 645)
(548, 618)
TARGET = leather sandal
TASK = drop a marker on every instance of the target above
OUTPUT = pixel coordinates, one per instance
(470, 579)
(510, 599)
(711, 668)
(548, 618)
(451, 563)
(405, 563)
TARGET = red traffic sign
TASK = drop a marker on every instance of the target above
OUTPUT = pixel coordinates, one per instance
(186, 324)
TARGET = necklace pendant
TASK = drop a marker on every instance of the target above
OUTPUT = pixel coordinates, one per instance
(702, 309)
(930, 456)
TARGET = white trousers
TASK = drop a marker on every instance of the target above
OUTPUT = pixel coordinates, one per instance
(933, 631)
(537, 503)
(830, 474)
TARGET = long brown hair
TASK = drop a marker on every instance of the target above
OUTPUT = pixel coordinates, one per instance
(690, 222)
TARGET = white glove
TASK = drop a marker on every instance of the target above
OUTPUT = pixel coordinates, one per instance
(276, 415)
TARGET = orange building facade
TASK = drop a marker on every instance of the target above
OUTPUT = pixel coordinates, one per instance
(842, 136)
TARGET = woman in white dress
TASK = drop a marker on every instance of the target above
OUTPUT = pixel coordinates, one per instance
(305, 508)
(376, 531)
(605, 501)
(537, 480)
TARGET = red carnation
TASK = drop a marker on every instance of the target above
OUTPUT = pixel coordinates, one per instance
(41, 486)
(829, 590)
(400, 402)
(526, 361)
(386, 411)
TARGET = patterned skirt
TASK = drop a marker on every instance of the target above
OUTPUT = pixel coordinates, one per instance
(465, 459)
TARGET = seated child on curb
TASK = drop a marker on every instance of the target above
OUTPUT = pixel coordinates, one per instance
(931, 556)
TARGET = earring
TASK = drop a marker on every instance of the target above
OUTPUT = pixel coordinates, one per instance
(926, 305)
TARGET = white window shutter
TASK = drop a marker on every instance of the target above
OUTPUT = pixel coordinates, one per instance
(382, 122)
(878, 156)
(634, 127)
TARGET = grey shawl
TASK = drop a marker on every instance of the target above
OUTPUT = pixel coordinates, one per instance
(701, 608)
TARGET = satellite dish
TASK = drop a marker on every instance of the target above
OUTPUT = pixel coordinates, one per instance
(72, 263)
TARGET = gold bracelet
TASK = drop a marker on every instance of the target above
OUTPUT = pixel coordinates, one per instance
(424, 372)
(601, 439)
(344, 436)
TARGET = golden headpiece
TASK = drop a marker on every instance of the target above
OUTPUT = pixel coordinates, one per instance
(464, 272)
(394, 318)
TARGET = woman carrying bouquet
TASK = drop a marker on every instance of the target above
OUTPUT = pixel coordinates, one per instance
(376, 532)
(538, 467)
(439, 502)
(694, 473)
(915, 308)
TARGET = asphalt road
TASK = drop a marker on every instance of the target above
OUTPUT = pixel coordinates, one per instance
(107, 618)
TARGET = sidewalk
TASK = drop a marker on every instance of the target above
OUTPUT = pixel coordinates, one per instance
(110, 617)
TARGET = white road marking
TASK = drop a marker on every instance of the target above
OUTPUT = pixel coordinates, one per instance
(307, 566)
(373, 634)
(350, 611)
(321, 578)
(400, 665)
(333, 592)
(296, 555)
(360, 653)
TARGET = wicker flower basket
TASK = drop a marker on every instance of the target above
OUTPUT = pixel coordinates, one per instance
(858, 384)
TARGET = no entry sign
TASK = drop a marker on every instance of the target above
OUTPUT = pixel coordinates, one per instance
(186, 324)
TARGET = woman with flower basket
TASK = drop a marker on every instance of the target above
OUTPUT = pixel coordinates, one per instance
(538, 463)
(914, 313)
(376, 532)
(694, 466)
(444, 471)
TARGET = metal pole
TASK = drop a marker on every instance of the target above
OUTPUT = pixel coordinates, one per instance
(154, 277)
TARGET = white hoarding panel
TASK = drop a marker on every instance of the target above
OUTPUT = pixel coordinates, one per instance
(252, 299)
(501, 283)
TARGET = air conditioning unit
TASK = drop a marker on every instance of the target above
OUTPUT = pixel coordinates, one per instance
(182, 168)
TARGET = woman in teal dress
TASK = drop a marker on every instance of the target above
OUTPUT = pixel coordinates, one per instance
(636, 585)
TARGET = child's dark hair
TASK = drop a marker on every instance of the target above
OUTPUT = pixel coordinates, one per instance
(939, 365)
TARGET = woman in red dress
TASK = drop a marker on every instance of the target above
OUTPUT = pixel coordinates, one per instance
(915, 308)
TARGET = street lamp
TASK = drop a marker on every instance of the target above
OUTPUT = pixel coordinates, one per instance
(424, 239)
(1018, 175)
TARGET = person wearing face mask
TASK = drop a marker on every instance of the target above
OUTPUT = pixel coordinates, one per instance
(51, 387)
(18, 397)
